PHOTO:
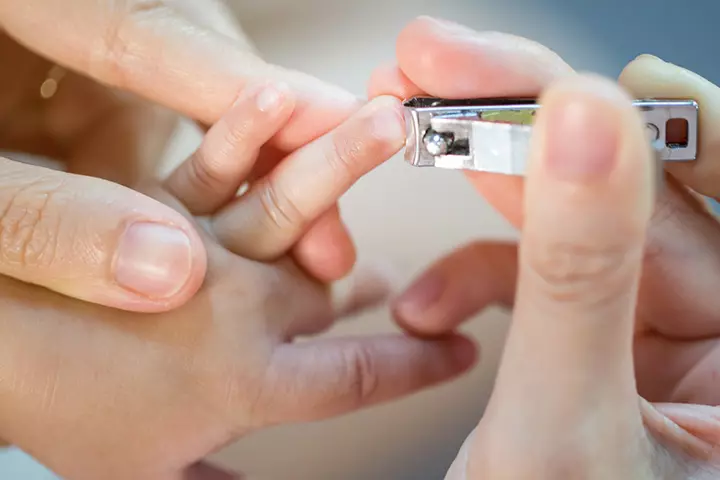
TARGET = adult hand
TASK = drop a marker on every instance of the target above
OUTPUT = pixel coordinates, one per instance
(193, 58)
(106, 394)
(677, 308)
(187, 55)
(73, 234)
(565, 403)
(676, 319)
(82, 236)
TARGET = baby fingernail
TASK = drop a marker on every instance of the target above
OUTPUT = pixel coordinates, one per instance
(388, 123)
(270, 97)
(153, 260)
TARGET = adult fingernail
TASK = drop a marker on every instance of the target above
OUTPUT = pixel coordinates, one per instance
(581, 133)
(420, 297)
(153, 260)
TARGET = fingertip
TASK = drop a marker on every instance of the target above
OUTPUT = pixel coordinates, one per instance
(327, 265)
(390, 80)
(382, 80)
(458, 286)
(588, 133)
(387, 102)
(437, 321)
(464, 351)
(450, 355)
(326, 251)
(452, 61)
(419, 308)
(387, 126)
(421, 48)
(318, 108)
(275, 97)
(650, 77)
(424, 27)
(637, 66)
(210, 178)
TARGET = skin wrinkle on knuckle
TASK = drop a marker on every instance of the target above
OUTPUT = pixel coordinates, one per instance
(362, 374)
(572, 273)
(112, 57)
(203, 173)
(355, 147)
(30, 225)
(51, 384)
(280, 212)
(236, 134)
(233, 394)
(258, 401)
(343, 155)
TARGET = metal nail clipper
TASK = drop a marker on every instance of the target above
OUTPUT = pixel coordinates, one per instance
(493, 135)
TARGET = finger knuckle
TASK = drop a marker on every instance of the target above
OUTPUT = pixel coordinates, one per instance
(206, 174)
(362, 375)
(113, 57)
(237, 133)
(280, 211)
(572, 272)
(30, 225)
(344, 156)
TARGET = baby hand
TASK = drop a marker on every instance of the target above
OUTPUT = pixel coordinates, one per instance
(99, 393)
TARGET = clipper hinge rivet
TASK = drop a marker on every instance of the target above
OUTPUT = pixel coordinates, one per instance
(437, 143)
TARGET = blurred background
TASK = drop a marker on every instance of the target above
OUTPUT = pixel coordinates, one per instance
(430, 212)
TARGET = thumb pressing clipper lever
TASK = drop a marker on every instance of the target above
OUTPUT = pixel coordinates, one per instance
(493, 135)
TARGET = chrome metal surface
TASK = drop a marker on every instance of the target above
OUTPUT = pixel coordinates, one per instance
(493, 135)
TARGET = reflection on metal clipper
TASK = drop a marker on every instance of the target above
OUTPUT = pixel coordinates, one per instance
(493, 135)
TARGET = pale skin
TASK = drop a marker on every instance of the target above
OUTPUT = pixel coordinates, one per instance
(95, 393)
(184, 56)
(170, 363)
(610, 366)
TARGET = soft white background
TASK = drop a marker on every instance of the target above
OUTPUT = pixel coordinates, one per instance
(405, 217)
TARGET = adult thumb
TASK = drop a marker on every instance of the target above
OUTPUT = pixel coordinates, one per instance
(96, 241)
(565, 392)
